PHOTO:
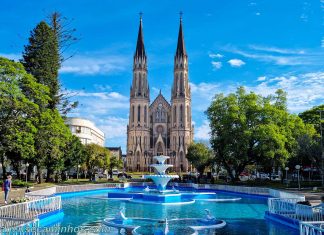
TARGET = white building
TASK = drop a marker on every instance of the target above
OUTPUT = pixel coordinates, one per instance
(86, 130)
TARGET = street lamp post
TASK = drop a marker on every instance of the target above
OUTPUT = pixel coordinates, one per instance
(298, 168)
(78, 172)
(27, 165)
(287, 169)
(322, 147)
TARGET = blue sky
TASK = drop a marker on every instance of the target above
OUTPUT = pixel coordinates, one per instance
(261, 44)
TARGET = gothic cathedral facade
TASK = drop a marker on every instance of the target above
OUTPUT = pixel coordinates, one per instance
(159, 128)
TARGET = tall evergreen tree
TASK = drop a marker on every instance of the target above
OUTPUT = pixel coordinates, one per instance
(41, 59)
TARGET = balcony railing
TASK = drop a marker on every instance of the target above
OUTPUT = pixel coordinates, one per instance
(289, 208)
(30, 210)
(311, 228)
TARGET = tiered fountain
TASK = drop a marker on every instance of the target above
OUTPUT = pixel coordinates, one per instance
(161, 179)
(160, 194)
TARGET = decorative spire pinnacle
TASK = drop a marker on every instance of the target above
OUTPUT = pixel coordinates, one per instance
(181, 49)
(140, 49)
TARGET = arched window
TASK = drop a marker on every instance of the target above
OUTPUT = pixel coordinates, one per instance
(181, 84)
(188, 114)
(139, 84)
(181, 113)
(138, 113)
(145, 114)
(175, 114)
(133, 113)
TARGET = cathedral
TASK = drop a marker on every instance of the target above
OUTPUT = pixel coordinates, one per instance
(160, 127)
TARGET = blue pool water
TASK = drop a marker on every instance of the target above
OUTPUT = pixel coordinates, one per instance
(245, 216)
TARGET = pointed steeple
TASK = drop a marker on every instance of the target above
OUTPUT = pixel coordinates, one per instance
(140, 49)
(181, 49)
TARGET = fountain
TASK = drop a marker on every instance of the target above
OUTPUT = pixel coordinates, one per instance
(161, 179)
(162, 195)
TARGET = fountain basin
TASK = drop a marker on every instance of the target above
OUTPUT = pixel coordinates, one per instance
(161, 168)
(161, 181)
(161, 159)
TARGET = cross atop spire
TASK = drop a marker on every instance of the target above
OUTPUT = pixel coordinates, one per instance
(140, 49)
(181, 49)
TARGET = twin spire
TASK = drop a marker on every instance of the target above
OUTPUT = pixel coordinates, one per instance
(140, 48)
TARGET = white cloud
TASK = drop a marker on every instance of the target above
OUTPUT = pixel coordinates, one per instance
(202, 132)
(216, 64)
(91, 65)
(102, 87)
(213, 56)
(113, 127)
(279, 56)
(304, 90)
(277, 50)
(11, 56)
(322, 42)
(203, 93)
(262, 78)
(236, 62)
(258, 13)
(277, 59)
(99, 103)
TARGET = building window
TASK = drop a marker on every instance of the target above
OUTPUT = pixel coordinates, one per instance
(181, 113)
(133, 111)
(145, 114)
(138, 113)
(175, 114)
(188, 114)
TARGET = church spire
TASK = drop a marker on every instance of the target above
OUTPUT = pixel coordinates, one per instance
(140, 49)
(181, 49)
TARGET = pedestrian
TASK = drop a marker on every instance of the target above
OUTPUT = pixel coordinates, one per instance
(7, 187)
(27, 190)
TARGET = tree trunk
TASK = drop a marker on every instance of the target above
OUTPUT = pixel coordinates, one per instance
(49, 175)
(39, 174)
(30, 171)
(15, 166)
(4, 169)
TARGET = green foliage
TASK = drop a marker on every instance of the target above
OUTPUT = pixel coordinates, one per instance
(247, 128)
(309, 151)
(115, 162)
(200, 156)
(312, 116)
(96, 157)
(50, 141)
(41, 59)
(18, 93)
(19, 200)
(74, 153)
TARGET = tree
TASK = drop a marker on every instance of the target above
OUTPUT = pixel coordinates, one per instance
(200, 156)
(50, 143)
(20, 95)
(312, 116)
(310, 145)
(61, 27)
(96, 157)
(64, 32)
(74, 153)
(115, 162)
(250, 129)
(41, 59)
